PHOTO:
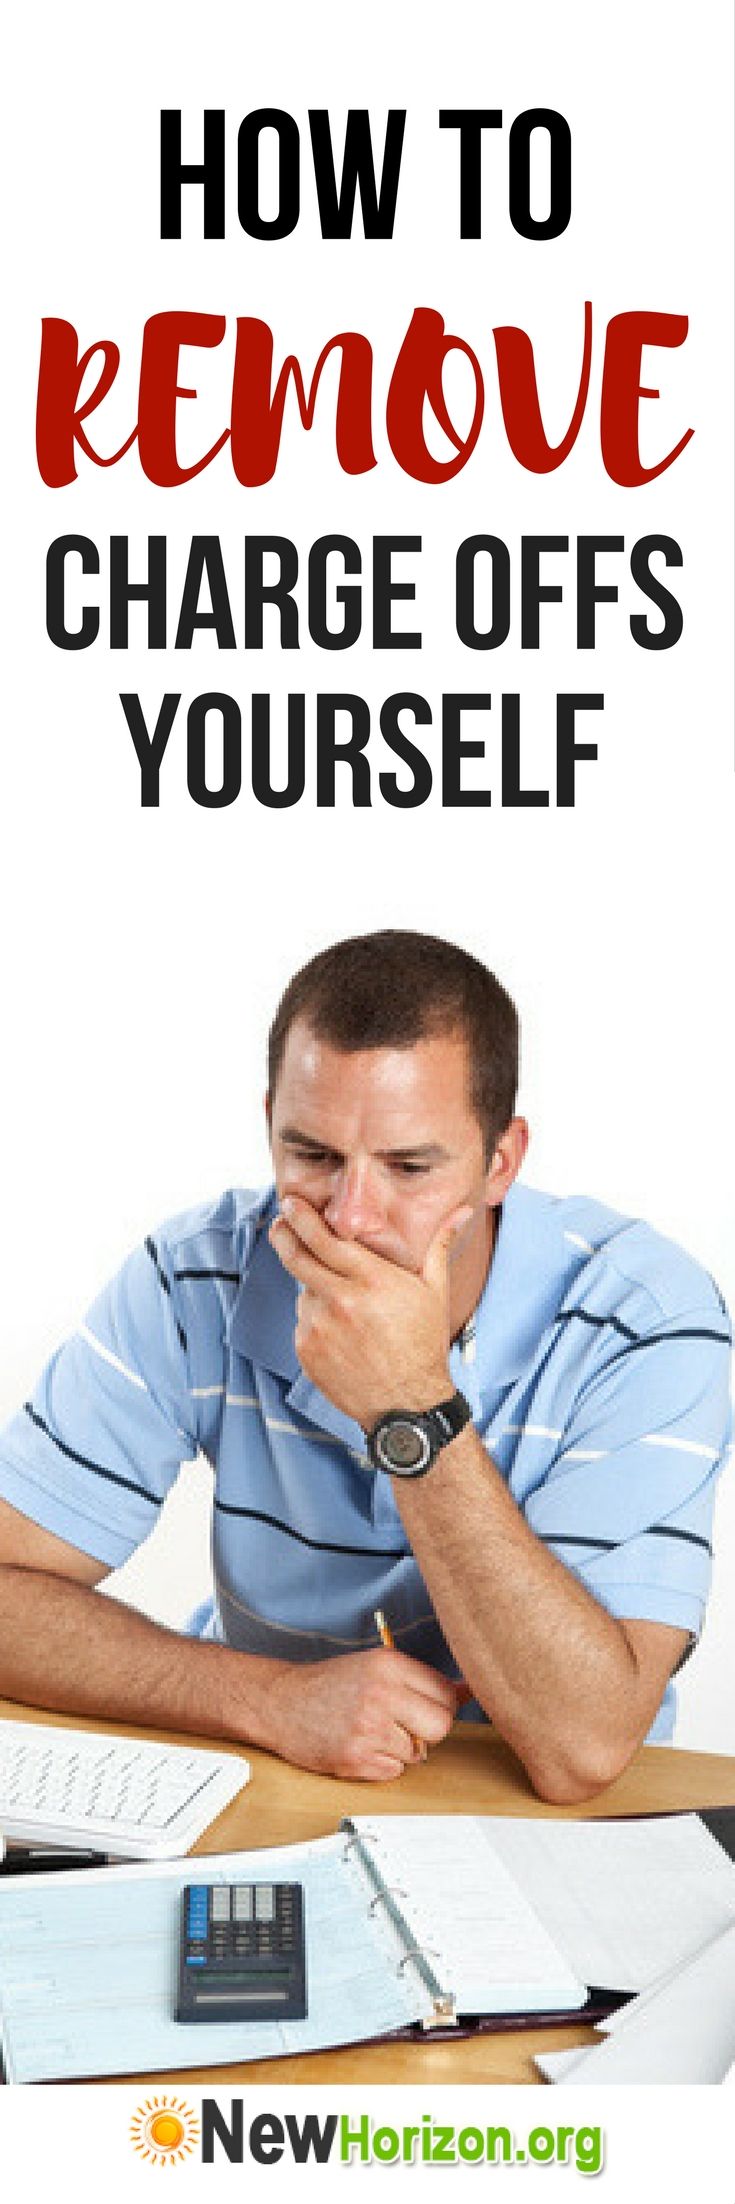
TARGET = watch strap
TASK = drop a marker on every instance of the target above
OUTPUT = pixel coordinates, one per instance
(449, 1418)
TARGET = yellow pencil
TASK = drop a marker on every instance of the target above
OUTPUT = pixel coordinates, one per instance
(387, 1639)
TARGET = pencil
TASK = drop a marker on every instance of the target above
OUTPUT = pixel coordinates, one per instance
(387, 1639)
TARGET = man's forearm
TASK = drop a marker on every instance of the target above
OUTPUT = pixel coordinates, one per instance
(365, 1715)
(551, 1668)
(64, 1647)
(573, 1689)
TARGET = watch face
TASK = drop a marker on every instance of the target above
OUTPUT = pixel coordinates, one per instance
(403, 1447)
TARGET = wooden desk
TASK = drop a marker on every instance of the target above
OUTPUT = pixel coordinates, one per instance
(471, 1773)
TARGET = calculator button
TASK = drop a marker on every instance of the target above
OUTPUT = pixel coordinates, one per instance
(242, 1902)
(265, 1902)
(220, 1903)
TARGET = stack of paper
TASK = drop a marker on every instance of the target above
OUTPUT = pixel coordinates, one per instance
(681, 2030)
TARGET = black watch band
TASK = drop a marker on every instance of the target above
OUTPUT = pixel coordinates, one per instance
(405, 1443)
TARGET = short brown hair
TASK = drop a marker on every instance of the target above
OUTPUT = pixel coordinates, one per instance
(391, 989)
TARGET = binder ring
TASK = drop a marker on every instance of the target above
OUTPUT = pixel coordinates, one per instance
(417, 1951)
(392, 1890)
(358, 1837)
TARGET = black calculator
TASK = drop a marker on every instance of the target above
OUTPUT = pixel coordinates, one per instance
(243, 1952)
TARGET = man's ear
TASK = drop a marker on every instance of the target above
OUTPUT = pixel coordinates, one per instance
(506, 1160)
(268, 1107)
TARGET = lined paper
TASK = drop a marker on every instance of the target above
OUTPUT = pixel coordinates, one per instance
(626, 1900)
(88, 1968)
(486, 1941)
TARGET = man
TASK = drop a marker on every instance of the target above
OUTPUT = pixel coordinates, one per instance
(423, 1389)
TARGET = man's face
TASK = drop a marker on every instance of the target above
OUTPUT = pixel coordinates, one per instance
(385, 1144)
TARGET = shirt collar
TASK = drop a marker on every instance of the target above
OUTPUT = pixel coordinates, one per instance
(263, 1319)
(519, 1295)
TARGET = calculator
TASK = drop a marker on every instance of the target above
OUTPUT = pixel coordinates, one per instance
(242, 1953)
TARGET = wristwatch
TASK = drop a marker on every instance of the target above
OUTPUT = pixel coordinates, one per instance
(406, 1443)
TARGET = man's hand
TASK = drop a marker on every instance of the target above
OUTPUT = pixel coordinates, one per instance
(362, 1714)
(370, 1334)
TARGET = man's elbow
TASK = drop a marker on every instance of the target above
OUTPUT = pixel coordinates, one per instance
(568, 1778)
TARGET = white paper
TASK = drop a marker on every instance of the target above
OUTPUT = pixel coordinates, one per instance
(486, 1940)
(89, 1964)
(626, 1901)
(554, 2065)
(684, 2031)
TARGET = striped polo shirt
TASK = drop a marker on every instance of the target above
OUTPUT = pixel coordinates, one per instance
(598, 1382)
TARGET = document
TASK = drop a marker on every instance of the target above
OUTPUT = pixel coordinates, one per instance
(411, 1921)
(626, 1900)
(88, 1962)
(88, 1969)
(487, 1940)
(683, 2030)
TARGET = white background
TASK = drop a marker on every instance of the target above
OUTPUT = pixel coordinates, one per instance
(144, 950)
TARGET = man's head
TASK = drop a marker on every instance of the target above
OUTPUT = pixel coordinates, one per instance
(392, 1069)
(389, 990)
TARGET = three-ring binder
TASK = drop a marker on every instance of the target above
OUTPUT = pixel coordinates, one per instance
(443, 2012)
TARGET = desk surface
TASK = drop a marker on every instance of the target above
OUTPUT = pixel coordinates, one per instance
(473, 1772)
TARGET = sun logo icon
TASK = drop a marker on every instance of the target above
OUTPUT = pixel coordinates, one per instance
(164, 2130)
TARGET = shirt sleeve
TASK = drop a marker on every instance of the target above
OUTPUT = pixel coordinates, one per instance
(628, 1500)
(93, 1453)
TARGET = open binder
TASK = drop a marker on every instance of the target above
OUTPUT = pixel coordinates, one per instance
(480, 1952)
(414, 1923)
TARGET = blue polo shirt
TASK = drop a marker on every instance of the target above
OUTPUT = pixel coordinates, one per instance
(598, 1383)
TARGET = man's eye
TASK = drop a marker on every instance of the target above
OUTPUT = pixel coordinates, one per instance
(412, 1170)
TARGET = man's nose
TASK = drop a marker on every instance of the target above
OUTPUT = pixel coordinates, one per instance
(355, 1209)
